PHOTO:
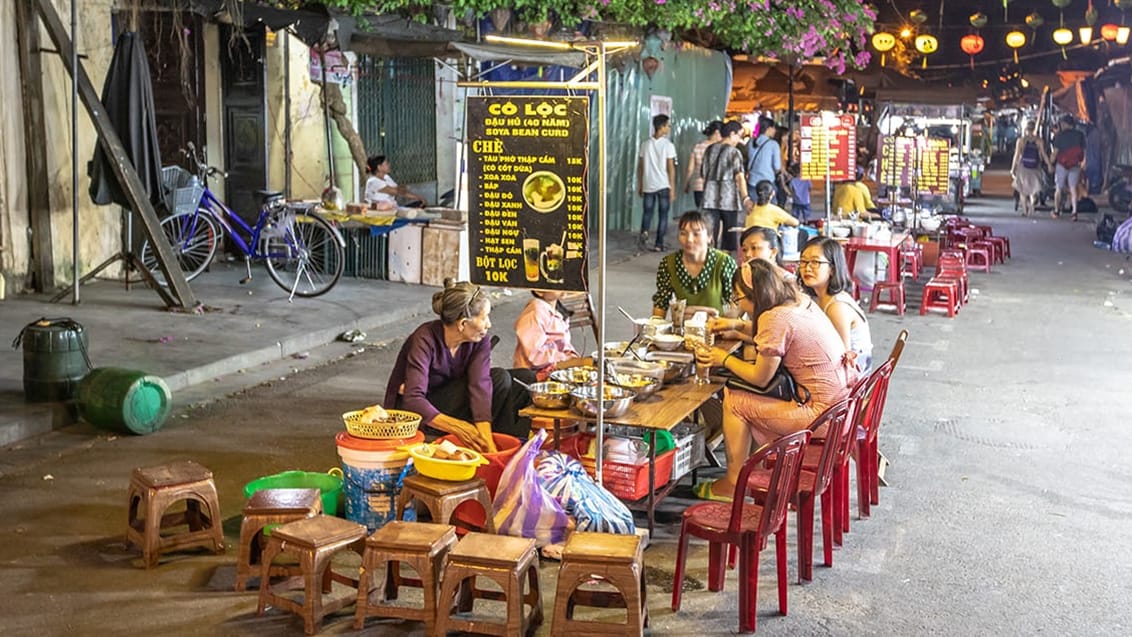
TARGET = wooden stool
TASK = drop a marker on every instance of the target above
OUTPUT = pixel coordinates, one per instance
(503, 559)
(314, 541)
(155, 489)
(271, 506)
(618, 560)
(420, 545)
(441, 497)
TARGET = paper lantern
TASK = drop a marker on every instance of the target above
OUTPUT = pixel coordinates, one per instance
(926, 44)
(1035, 20)
(1061, 4)
(1091, 15)
(972, 45)
(1062, 36)
(978, 20)
(1086, 34)
(1015, 40)
(1123, 4)
(918, 16)
(1122, 35)
(1108, 32)
(883, 42)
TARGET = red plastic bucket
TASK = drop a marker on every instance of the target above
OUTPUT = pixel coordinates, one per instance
(470, 513)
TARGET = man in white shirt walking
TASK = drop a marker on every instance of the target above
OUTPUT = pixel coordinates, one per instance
(656, 181)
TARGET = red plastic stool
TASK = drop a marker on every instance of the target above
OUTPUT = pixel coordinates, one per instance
(978, 257)
(895, 295)
(993, 249)
(940, 294)
(910, 263)
(1001, 247)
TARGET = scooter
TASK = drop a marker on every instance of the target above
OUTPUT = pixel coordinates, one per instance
(1120, 188)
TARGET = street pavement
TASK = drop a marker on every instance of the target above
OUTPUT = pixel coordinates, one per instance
(1007, 511)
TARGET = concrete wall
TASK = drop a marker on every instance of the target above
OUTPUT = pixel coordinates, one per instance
(308, 165)
(99, 226)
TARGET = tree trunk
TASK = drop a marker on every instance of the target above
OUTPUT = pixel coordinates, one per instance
(332, 94)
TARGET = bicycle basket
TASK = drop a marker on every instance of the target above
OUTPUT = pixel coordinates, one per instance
(182, 190)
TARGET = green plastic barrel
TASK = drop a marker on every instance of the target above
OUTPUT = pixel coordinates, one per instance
(124, 400)
(54, 359)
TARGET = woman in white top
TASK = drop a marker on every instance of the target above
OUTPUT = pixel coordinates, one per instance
(825, 276)
(381, 191)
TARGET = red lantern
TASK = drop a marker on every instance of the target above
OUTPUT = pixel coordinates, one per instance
(1108, 32)
(972, 45)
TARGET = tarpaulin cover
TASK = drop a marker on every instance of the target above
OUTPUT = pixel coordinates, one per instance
(127, 96)
(698, 81)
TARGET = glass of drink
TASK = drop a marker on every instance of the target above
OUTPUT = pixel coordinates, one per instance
(530, 259)
(552, 263)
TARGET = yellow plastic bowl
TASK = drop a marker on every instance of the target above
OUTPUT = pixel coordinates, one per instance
(452, 470)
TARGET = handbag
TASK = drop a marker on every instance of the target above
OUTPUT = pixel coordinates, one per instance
(782, 386)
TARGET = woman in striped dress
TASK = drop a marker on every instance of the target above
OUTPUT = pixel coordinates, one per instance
(790, 331)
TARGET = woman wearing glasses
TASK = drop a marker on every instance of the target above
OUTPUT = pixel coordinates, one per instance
(790, 331)
(825, 276)
(444, 373)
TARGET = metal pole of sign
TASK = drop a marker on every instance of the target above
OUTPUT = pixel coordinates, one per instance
(601, 228)
(75, 277)
(828, 189)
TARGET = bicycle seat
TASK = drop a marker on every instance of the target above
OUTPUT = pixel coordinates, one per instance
(269, 196)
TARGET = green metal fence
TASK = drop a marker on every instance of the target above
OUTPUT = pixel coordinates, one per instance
(397, 114)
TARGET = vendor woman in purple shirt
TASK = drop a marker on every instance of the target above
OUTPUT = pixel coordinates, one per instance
(444, 373)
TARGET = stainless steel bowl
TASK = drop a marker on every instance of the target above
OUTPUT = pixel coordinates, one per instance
(551, 395)
(616, 403)
(575, 375)
(677, 364)
(644, 385)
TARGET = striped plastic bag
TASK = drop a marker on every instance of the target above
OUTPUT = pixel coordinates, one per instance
(594, 509)
(522, 508)
(1122, 239)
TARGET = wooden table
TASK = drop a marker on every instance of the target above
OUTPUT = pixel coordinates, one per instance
(890, 247)
(664, 410)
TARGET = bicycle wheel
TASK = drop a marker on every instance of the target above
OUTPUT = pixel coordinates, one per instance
(193, 236)
(305, 258)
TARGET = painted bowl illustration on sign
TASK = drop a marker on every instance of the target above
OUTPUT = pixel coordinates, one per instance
(544, 191)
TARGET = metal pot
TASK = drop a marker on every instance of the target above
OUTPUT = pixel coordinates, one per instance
(550, 395)
(575, 375)
(617, 403)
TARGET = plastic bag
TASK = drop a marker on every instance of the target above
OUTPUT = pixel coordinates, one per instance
(522, 508)
(594, 509)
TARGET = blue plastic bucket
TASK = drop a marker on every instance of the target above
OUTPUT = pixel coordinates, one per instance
(372, 479)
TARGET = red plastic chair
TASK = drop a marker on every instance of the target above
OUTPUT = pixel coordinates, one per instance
(867, 451)
(814, 482)
(747, 525)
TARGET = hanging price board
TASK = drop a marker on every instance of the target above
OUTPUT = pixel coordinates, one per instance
(527, 191)
(896, 160)
(934, 155)
(828, 143)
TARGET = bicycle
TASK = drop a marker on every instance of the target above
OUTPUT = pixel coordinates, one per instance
(303, 252)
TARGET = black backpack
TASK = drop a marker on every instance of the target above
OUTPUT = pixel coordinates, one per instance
(1106, 229)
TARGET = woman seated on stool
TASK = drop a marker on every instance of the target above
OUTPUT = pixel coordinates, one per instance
(788, 332)
(696, 273)
(444, 373)
(825, 276)
(543, 336)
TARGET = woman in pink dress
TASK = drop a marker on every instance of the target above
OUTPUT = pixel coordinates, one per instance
(791, 331)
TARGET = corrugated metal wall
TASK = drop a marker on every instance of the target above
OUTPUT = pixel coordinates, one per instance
(699, 83)
(397, 114)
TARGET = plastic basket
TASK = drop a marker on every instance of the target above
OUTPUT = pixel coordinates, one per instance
(182, 190)
(626, 481)
(404, 426)
(690, 449)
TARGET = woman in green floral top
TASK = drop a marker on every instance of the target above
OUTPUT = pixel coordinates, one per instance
(697, 273)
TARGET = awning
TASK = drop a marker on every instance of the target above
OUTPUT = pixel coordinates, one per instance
(520, 54)
(394, 36)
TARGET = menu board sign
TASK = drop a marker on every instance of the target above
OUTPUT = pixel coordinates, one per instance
(896, 158)
(933, 165)
(527, 191)
(832, 148)
(902, 158)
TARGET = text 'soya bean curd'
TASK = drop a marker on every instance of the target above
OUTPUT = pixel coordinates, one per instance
(527, 198)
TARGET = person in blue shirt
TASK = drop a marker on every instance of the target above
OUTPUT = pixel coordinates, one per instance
(801, 189)
(764, 155)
